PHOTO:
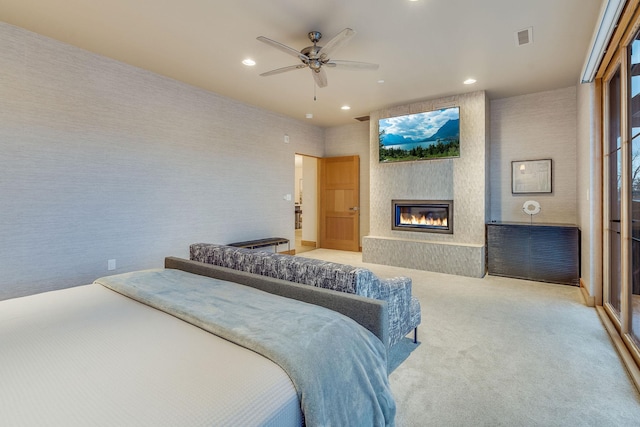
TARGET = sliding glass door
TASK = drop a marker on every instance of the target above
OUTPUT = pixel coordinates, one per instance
(621, 173)
(634, 178)
(613, 191)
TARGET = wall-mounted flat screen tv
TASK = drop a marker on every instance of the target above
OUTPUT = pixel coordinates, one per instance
(421, 136)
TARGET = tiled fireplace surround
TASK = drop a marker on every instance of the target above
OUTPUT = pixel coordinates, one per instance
(465, 180)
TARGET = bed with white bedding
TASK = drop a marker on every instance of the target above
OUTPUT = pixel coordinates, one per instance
(93, 356)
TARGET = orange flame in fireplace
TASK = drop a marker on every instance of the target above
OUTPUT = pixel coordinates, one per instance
(408, 219)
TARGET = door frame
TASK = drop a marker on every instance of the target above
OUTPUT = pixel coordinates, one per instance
(618, 55)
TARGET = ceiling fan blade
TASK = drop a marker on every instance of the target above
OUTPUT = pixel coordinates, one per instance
(335, 43)
(283, 70)
(320, 77)
(284, 48)
(353, 65)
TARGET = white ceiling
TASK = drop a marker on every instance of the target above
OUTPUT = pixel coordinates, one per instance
(425, 48)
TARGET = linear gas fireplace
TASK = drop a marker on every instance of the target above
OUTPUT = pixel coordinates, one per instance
(430, 216)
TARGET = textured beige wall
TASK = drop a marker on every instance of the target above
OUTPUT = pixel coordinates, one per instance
(100, 160)
(588, 190)
(463, 180)
(351, 140)
(536, 126)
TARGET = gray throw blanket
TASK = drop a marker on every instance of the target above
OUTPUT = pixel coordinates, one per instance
(338, 367)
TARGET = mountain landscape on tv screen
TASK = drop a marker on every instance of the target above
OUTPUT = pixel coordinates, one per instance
(420, 136)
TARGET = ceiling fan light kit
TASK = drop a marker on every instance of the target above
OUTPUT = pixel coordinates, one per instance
(317, 57)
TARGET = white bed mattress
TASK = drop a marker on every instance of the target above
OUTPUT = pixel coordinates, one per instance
(90, 356)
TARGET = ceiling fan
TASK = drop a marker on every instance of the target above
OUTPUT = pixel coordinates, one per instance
(317, 57)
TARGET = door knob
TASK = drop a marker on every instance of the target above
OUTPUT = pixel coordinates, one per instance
(355, 208)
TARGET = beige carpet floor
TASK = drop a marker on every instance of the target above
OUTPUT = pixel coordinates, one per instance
(505, 352)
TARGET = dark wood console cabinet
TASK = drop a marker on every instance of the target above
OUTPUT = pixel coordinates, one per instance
(542, 252)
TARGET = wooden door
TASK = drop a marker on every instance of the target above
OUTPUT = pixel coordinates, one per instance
(340, 203)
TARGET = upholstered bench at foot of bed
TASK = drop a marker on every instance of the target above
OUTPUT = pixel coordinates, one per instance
(404, 309)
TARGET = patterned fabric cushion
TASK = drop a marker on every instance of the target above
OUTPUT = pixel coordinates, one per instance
(404, 310)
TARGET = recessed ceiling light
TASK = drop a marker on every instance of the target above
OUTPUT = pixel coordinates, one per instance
(309, 116)
(345, 107)
(249, 62)
(380, 81)
(469, 81)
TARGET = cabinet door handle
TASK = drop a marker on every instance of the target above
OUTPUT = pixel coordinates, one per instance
(355, 208)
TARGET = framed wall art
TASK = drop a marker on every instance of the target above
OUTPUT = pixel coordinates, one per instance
(531, 176)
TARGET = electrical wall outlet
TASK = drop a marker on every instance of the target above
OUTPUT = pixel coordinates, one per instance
(111, 264)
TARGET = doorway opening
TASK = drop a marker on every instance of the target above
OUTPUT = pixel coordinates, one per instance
(306, 203)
